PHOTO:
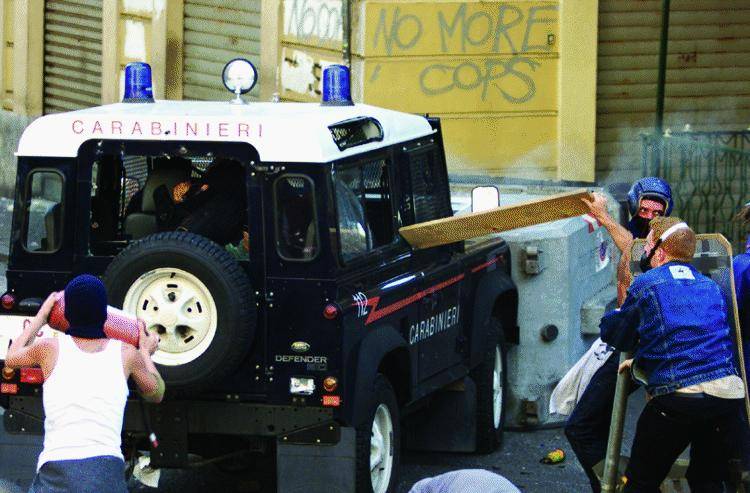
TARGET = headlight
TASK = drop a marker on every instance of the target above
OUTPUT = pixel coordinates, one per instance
(301, 386)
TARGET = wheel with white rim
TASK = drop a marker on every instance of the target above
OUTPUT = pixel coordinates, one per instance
(177, 306)
(491, 380)
(195, 296)
(378, 441)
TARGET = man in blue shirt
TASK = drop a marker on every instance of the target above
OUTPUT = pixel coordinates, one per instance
(675, 319)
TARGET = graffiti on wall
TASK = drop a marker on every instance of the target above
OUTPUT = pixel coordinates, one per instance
(490, 49)
(316, 22)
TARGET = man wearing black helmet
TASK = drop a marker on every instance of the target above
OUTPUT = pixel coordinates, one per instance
(587, 428)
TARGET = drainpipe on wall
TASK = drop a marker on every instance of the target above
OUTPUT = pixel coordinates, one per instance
(663, 45)
(346, 32)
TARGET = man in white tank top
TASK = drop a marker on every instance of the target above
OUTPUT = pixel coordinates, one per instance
(85, 391)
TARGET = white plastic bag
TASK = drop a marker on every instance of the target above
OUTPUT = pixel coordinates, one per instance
(571, 387)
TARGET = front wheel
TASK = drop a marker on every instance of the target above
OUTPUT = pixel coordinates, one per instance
(378, 441)
(491, 379)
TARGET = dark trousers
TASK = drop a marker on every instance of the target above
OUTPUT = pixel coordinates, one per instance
(92, 475)
(587, 428)
(670, 423)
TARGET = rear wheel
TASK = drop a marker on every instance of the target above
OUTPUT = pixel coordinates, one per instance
(378, 441)
(491, 379)
(195, 296)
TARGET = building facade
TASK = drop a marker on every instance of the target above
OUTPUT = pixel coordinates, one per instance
(555, 89)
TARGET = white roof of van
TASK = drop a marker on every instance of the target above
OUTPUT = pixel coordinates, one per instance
(280, 132)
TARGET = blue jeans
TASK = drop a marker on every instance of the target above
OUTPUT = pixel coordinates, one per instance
(91, 475)
(587, 428)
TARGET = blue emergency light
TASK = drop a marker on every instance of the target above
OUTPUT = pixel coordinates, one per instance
(336, 91)
(138, 88)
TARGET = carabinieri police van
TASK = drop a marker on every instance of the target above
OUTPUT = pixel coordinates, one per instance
(293, 318)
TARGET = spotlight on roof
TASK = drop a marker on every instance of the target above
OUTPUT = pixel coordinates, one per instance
(239, 76)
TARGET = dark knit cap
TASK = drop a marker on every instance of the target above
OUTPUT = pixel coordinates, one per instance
(86, 307)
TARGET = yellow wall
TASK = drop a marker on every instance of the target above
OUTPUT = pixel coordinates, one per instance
(6, 55)
(493, 72)
(137, 31)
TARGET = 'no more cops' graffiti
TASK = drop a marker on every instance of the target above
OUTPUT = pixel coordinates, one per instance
(495, 48)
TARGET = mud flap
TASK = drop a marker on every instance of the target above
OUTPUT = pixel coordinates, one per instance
(443, 426)
(306, 465)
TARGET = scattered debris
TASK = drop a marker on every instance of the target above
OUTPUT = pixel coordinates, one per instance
(554, 457)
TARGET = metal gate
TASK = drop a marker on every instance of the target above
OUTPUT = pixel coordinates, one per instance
(710, 177)
(217, 31)
(72, 54)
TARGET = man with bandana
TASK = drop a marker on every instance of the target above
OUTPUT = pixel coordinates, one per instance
(85, 391)
(675, 319)
(587, 428)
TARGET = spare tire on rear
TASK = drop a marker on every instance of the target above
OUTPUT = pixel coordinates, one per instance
(192, 293)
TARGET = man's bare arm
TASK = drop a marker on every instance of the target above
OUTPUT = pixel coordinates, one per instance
(20, 353)
(145, 375)
(620, 235)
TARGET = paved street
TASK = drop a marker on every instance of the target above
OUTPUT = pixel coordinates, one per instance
(518, 460)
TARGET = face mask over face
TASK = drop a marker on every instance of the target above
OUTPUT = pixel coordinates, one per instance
(645, 262)
(638, 226)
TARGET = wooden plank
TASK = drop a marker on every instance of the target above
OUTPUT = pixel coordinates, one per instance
(527, 213)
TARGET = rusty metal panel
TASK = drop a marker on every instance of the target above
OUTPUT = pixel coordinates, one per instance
(216, 31)
(72, 54)
(708, 72)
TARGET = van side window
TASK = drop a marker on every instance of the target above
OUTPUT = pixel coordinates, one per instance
(428, 185)
(44, 202)
(363, 203)
(296, 218)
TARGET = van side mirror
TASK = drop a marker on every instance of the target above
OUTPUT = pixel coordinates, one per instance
(484, 198)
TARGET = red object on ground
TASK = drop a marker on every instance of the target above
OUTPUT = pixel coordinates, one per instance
(119, 325)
